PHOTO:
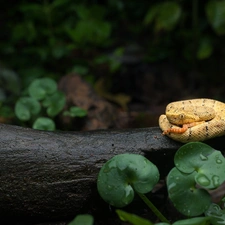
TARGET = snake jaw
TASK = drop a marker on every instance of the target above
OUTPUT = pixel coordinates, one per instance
(180, 130)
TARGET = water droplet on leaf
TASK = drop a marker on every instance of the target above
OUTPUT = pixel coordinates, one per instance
(203, 158)
(216, 180)
(203, 180)
(218, 161)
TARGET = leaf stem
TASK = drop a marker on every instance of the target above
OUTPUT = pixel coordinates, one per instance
(153, 208)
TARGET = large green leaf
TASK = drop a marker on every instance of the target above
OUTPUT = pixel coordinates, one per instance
(206, 161)
(166, 15)
(215, 11)
(122, 175)
(187, 199)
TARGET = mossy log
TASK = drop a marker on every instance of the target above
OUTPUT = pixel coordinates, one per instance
(52, 175)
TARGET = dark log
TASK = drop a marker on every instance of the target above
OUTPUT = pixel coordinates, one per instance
(52, 175)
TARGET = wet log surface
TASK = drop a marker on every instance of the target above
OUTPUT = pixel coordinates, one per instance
(52, 175)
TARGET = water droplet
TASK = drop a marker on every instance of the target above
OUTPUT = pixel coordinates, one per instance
(216, 180)
(218, 161)
(203, 158)
(203, 180)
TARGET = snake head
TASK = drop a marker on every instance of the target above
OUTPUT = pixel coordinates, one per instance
(182, 118)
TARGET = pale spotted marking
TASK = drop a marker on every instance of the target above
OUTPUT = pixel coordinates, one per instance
(206, 116)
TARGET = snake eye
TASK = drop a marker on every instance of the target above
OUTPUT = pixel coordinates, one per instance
(181, 116)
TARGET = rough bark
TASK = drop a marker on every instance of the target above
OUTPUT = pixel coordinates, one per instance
(52, 175)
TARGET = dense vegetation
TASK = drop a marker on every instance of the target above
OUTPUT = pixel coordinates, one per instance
(93, 38)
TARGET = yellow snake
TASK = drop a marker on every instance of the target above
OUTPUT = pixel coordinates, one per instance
(193, 120)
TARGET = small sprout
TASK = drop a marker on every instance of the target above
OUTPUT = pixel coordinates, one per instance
(40, 88)
(75, 111)
(54, 103)
(133, 219)
(84, 219)
(26, 107)
(216, 214)
(186, 198)
(122, 175)
(44, 123)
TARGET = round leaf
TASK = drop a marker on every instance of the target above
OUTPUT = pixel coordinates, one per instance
(191, 156)
(25, 107)
(44, 123)
(54, 103)
(206, 161)
(211, 175)
(40, 88)
(121, 175)
(186, 198)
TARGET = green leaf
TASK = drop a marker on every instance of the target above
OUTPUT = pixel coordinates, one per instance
(121, 175)
(84, 219)
(44, 123)
(54, 103)
(75, 111)
(216, 214)
(205, 49)
(151, 14)
(41, 88)
(194, 221)
(132, 218)
(215, 11)
(166, 15)
(81, 70)
(90, 32)
(206, 161)
(186, 198)
(191, 156)
(26, 107)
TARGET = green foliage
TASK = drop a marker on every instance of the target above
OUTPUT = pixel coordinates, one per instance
(197, 164)
(124, 174)
(43, 123)
(199, 168)
(91, 27)
(44, 100)
(132, 218)
(215, 11)
(84, 219)
(27, 107)
(165, 16)
(216, 214)
(54, 103)
(75, 111)
(186, 197)
(56, 35)
(41, 88)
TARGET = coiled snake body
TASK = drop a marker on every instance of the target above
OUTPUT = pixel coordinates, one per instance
(193, 120)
